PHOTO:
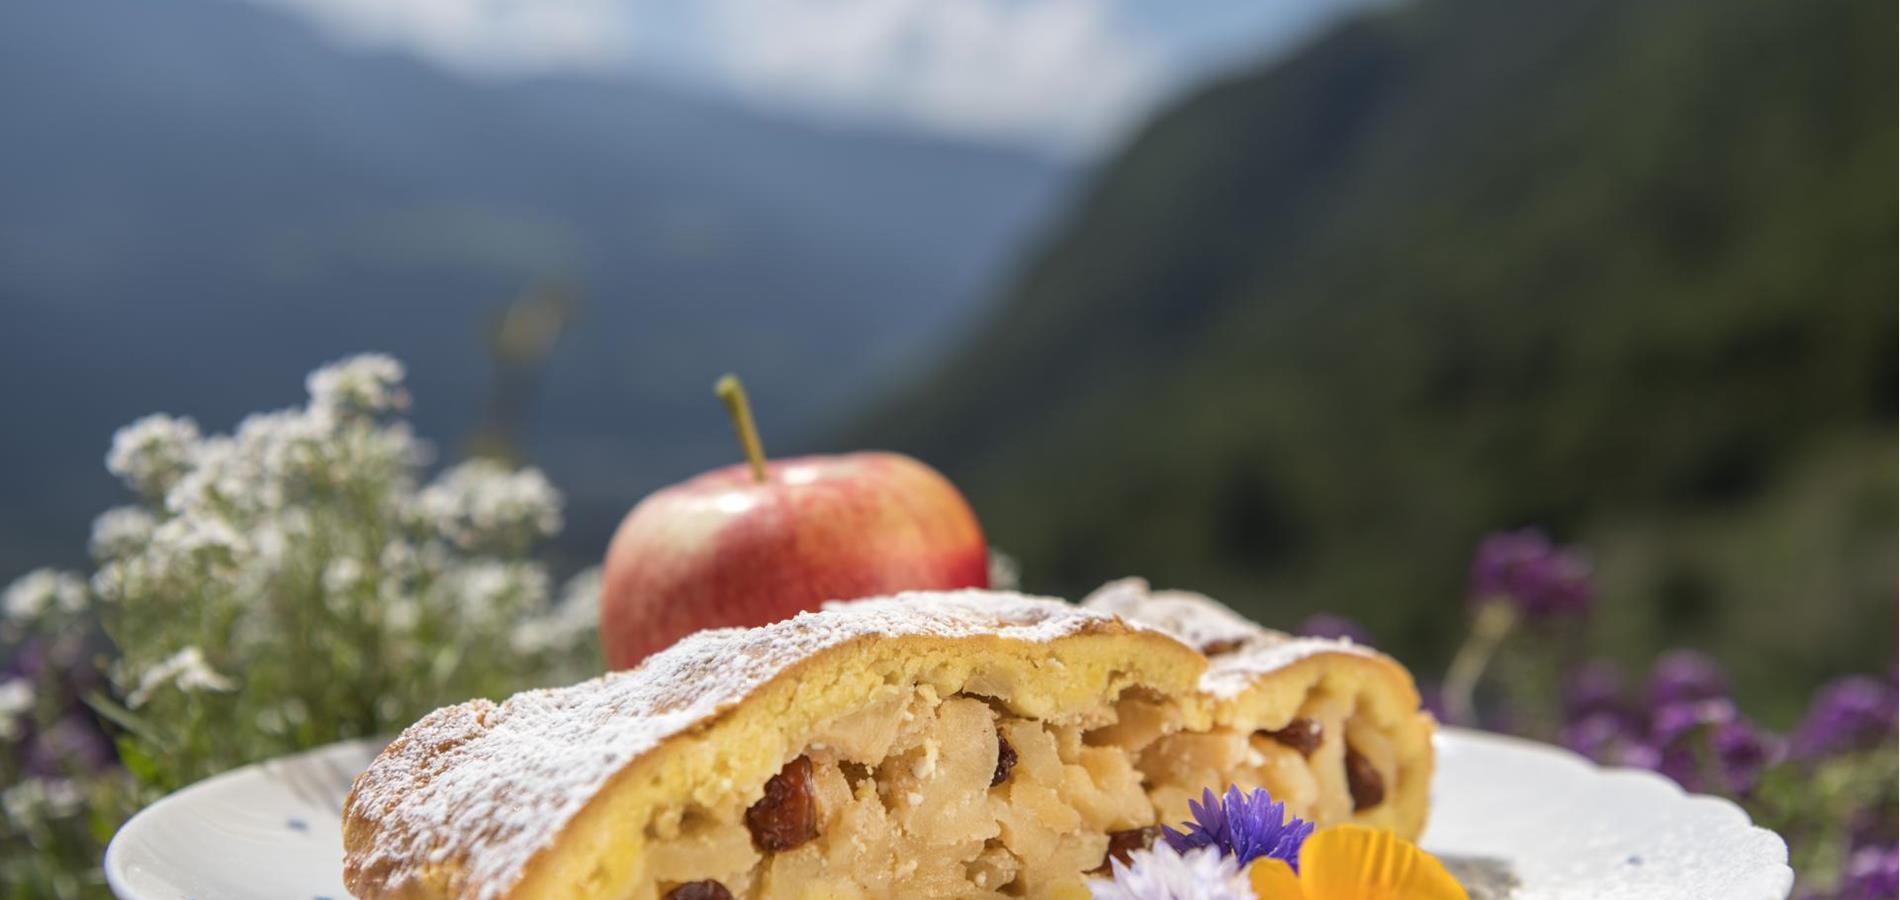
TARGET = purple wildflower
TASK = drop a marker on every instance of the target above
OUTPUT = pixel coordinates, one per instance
(26, 660)
(1612, 738)
(1872, 826)
(1598, 735)
(1245, 826)
(1680, 764)
(1523, 568)
(74, 745)
(1707, 745)
(1742, 752)
(1873, 873)
(1851, 713)
(1327, 625)
(1593, 688)
(1637, 755)
(1685, 676)
(1673, 722)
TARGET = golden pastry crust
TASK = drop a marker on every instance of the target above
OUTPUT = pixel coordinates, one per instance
(1260, 680)
(966, 744)
(553, 793)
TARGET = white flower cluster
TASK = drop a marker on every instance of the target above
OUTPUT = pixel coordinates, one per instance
(121, 531)
(185, 670)
(151, 453)
(481, 503)
(42, 798)
(492, 590)
(16, 701)
(42, 590)
(573, 620)
(303, 551)
(366, 384)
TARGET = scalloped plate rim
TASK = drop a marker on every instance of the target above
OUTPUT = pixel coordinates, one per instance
(1775, 879)
(132, 875)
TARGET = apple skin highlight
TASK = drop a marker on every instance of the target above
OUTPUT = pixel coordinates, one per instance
(724, 549)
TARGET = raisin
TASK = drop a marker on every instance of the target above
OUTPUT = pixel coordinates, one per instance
(1302, 734)
(1005, 760)
(700, 890)
(787, 815)
(1121, 844)
(1363, 781)
(1224, 645)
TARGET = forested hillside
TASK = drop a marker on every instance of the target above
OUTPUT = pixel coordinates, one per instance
(1624, 268)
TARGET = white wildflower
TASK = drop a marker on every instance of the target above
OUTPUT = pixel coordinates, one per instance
(49, 798)
(400, 614)
(394, 449)
(276, 537)
(221, 479)
(434, 557)
(1159, 873)
(63, 797)
(16, 700)
(151, 453)
(486, 590)
(283, 451)
(186, 670)
(120, 578)
(481, 502)
(32, 594)
(400, 557)
(574, 619)
(399, 575)
(121, 531)
(22, 801)
(369, 383)
(197, 535)
(1005, 574)
(342, 575)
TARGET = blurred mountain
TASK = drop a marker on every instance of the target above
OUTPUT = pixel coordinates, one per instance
(1621, 267)
(201, 200)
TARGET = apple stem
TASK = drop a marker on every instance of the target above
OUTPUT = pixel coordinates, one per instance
(732, 394)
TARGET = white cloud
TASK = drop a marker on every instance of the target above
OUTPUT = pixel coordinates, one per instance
(1060, 73)
(483, 36)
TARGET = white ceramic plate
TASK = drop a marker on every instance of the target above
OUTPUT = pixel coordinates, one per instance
(1514, 819)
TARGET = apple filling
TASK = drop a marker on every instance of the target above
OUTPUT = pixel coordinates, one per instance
(955, 797)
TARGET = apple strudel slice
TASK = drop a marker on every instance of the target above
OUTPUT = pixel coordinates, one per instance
(1331, 727)
(965, 744)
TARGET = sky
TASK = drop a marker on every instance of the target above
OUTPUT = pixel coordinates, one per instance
(1065, 76)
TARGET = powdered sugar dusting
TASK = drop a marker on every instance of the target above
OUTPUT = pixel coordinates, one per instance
(491, 785)
(1239, 650)
(1196, 620)
(1230, 674)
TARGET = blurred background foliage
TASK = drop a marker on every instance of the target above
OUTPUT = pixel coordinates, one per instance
(202, 200)
(1398, 275)
(1624, 268)
(1620, 268)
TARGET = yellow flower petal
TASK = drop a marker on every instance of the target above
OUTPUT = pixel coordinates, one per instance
(1354, 862)
(1273, 879)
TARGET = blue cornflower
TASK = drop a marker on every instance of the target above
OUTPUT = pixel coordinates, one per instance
(1244, 826)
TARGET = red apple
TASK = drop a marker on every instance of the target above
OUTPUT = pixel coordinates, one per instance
(758, 542)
